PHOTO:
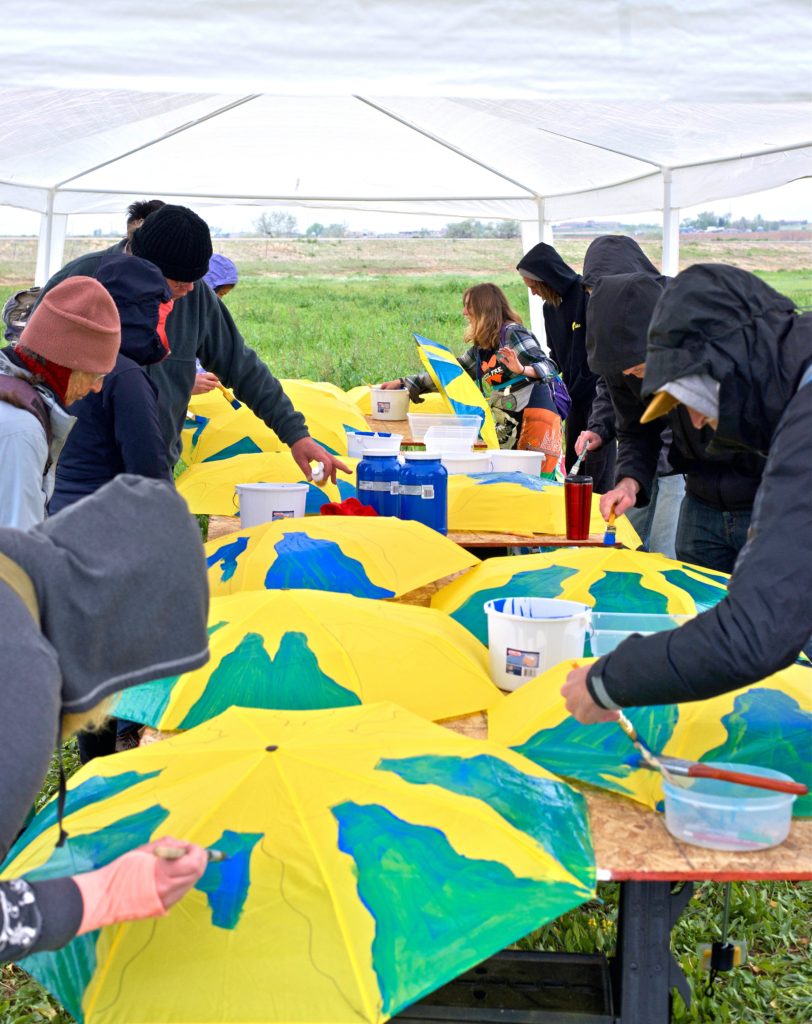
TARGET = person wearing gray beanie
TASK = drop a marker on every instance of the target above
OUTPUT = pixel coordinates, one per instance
(200, 327)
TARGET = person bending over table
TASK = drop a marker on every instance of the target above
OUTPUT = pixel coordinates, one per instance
(60, 668)
(739, 357)
(510, 369)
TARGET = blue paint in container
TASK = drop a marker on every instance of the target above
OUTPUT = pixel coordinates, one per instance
(424, 490)
(377, 477)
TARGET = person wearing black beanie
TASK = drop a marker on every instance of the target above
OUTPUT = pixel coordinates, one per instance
(200, 327)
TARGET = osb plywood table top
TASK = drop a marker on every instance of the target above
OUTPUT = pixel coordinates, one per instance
(632, 843)
(483, 539)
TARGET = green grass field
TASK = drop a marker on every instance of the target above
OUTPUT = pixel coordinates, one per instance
(344, 312)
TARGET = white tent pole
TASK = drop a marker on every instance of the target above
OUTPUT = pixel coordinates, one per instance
(670, 228)
(51, 245)
(534, 232)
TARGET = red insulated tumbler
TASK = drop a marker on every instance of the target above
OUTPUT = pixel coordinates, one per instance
(578, 505)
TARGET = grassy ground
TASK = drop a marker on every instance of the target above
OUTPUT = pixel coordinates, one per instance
(344, 311)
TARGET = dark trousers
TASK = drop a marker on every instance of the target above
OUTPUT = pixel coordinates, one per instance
(709, 536)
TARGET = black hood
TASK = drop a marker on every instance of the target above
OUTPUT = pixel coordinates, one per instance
(120, 578)
(615, 254)
(727, 323)
(620, 309)
(138, 289)
(542, 263)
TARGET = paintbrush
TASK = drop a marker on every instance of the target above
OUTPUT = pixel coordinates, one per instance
(649, 760)
(698, 770)
(232, 401)
(577, 464)
(610, 537)
(176, 852)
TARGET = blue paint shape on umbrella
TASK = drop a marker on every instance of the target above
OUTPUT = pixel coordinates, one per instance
(245, 446)
(600, 754)
(769, 729)
(432, 905)
(250, 678)
(228, 555)
(89, 791)
(310, 563)
(705, 595)
(549, 811)
(547, 582)
(198, 423)
(226, 883)
(624, 592)
(530, 483)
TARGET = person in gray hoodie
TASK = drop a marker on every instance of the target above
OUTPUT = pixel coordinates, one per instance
(86, 613)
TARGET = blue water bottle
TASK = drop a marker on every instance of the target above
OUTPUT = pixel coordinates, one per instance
(377, 482)
(424, 490)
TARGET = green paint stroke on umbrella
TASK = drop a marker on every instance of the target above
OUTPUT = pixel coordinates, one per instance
(248, 677)
(546, 582)
(226, 883)
(705, 595)
(624, 592)
(66, 973)
(146, 703)
(245, 446)
(549, 811)
(436, 912)
(769, 729)
(600, 754)
(89, 791)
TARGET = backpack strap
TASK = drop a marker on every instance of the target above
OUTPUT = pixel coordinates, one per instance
(18, 579)
(19, 392)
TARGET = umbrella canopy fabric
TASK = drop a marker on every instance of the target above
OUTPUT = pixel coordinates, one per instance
(373, 857)
(210, 488)
(607, 579)
(451, 380)
(220, 431)
(768, 724)
(518, 503)
(361, 555)
(304, 649)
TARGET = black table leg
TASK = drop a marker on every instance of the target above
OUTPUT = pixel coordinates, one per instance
(644, 969)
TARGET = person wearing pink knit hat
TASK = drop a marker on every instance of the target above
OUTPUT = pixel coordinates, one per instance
(70, 342)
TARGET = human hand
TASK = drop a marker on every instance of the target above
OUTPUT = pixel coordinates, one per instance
(620, 499)
(138, 884)
(508, 358)
(392, 385)
(579, 700)
(588, 437)
(205, 382)
(306, 450)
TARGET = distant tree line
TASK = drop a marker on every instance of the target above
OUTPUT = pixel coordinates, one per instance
(486, 229)
(709, 219)
(285, 225)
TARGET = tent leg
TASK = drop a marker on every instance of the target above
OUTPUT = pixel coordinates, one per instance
(534, 232)
(51, 247)
(670, 229)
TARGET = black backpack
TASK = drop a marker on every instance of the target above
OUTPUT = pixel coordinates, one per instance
(17, 310)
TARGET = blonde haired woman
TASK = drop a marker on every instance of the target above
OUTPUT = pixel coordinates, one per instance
(510, 369)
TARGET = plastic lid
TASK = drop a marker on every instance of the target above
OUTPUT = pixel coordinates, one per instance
(421, 456)
(381, 453)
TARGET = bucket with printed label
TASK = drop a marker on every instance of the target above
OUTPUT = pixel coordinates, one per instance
(389, 404)
(528, 635)
(265, 503)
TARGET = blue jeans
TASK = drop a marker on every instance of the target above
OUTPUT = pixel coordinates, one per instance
(656, 524)
(710, 537)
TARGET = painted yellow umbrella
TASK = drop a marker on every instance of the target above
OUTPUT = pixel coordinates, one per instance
(227, 432)
(210, 488)
(306, 649)
(372, 857)
(360, 555)
(461, 393)
(518, 503)
(607, 579)
(768, 724)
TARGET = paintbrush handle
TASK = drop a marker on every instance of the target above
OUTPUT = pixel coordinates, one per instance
(225, 391)
(707, 771)
(176, 852)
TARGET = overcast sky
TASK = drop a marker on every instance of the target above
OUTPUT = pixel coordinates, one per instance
(789, 202)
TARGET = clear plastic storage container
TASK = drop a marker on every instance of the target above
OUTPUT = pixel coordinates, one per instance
(419, 423)
(610, 628)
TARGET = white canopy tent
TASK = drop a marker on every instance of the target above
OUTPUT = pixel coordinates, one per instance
(450, 108)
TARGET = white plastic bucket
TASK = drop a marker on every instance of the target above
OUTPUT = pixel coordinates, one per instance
(456, 462)
(528, 635)
(265, 503)
(389, 405)
(360, 441)
(517, 462)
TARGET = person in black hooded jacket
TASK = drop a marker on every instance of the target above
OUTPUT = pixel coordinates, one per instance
(118, 430)
(738, 356)
(565, 318)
